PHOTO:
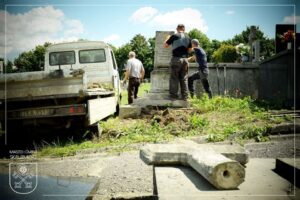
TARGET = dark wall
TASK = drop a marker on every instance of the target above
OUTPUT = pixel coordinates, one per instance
(279, 79)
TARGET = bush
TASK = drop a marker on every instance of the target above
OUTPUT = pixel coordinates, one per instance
(226, 53)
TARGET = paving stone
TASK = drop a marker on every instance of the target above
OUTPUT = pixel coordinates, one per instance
(184, 183)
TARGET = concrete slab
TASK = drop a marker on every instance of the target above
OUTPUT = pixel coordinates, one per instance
(161, 100)
(261, 183)
(130, 111)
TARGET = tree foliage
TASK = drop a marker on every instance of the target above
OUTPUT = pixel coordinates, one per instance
(144, 50)
(267, 45)
(32, 60)
(203, 39)
(226, 53)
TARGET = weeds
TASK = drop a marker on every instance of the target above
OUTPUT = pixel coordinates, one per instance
(219, 118)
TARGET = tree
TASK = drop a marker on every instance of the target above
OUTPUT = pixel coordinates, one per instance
(8, 67)
(122, 56)
(214, 46)
(32, 60)
(141, 47)
(203, 39)
(267, 46)
(144, 51)
(226, 53)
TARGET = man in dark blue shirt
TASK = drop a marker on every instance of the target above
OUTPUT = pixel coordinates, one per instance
(202, 73)
(181, 45)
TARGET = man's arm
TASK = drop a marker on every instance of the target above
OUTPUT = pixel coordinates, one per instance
(126, 75)
(142, 72)
(167, 42)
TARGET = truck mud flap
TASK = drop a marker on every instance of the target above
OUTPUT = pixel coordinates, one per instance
(101, 108)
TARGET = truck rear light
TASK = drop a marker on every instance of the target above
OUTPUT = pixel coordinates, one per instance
(80, 109)
(71, 110)
(76, 109)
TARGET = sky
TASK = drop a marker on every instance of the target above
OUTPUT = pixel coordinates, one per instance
(27, 23)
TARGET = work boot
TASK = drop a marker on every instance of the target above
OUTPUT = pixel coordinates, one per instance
(209, 95)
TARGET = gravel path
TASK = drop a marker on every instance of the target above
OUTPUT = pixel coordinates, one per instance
(284, 146)
(126, 175)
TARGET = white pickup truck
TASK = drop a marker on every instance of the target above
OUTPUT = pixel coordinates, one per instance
(79, 84)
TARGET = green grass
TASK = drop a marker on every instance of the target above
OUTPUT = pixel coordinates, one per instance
(144, 88)
(220, 118)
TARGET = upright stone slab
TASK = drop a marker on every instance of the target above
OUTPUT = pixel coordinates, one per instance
(162, 56)
(159, 92)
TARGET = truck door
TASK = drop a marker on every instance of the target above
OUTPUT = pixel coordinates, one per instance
(116, 79)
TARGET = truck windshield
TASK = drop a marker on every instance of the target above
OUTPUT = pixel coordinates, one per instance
(62, 58)
(92, 56)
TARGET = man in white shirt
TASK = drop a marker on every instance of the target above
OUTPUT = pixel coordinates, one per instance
(134, 73)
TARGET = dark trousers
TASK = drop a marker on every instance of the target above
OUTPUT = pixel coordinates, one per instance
(133, 89)
(179, 75)
(203, 77)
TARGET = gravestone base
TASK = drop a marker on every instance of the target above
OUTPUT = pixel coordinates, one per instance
(159, 92)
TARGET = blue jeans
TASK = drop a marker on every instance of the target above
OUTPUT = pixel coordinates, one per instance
(202, 75)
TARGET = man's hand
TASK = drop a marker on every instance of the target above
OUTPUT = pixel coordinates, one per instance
(191, 59)
(166, 45)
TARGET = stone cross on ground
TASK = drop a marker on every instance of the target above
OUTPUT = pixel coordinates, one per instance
(221, 165)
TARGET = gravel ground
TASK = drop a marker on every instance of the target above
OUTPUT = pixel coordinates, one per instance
(284, 146)
(126, 175)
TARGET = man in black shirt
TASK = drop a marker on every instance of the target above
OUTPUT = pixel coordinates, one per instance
(202, 73)
(181, 45)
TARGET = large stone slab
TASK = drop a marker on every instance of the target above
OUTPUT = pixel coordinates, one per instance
(219, 170)
(161, 100)
(234, 152)
(129, 111)
(162, 56)
(261, 183)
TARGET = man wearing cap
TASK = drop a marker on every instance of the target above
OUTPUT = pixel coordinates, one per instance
(202, 73)
(181, 45)
(135, 73)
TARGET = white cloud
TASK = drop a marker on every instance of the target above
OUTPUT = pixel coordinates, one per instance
(230, 12)
(37, 26)
(143, 14)
(111, 38)
(191, 18)
(73, 27)
(291, 19)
